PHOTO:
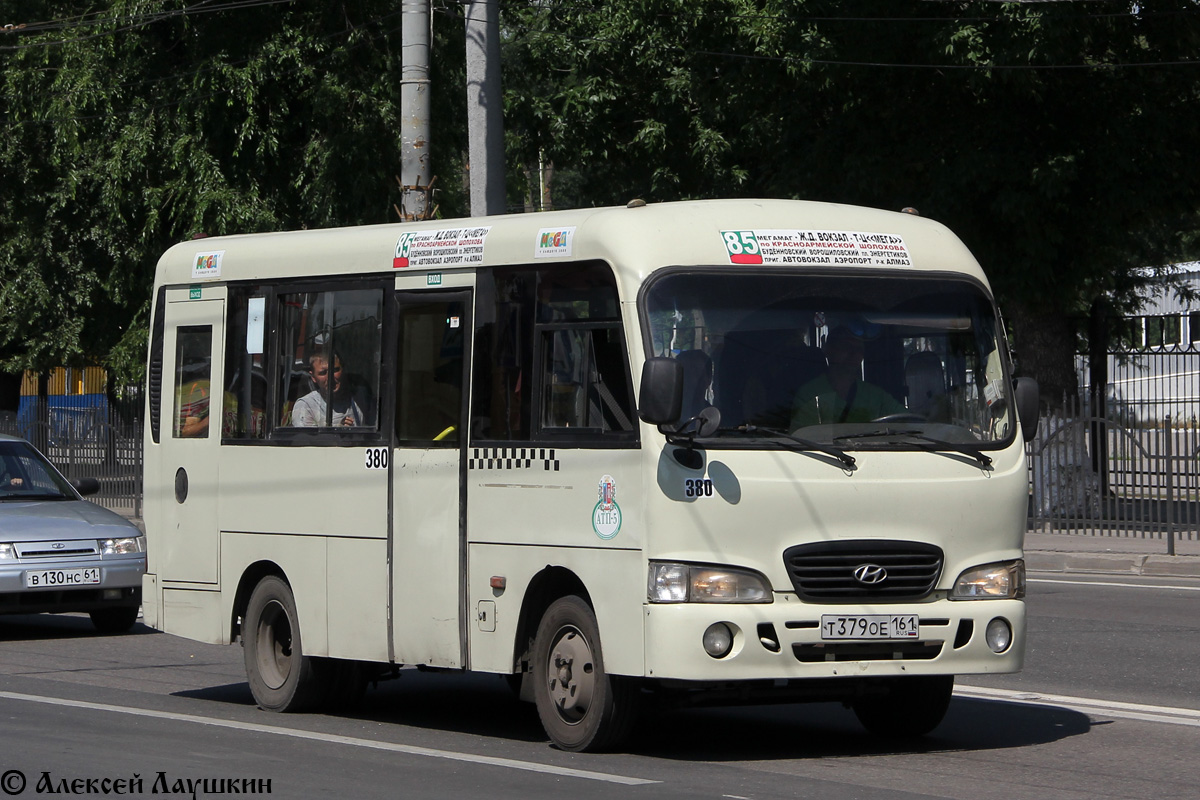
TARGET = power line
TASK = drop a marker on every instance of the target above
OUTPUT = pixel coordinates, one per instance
(134, 22)
(807, 60)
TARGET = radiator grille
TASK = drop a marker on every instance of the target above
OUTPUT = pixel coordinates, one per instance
(886, 570)
(64, 549)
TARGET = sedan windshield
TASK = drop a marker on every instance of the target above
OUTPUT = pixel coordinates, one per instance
(26, 475)
(902, 361)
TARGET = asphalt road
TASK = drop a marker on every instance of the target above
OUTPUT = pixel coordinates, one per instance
(1109, 706)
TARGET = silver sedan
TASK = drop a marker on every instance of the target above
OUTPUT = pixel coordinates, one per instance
(60, 553)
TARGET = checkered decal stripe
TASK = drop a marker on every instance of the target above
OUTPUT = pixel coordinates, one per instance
(512, 458)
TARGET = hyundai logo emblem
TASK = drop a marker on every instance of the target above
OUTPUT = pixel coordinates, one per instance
(870, 574)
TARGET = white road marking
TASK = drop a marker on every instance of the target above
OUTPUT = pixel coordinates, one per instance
(1104, 708)
(1116, 584)
(507, 763)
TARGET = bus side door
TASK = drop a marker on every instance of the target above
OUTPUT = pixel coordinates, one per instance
(428, 552)
(192, 411)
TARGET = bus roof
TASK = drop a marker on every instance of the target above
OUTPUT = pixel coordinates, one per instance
(636, 240)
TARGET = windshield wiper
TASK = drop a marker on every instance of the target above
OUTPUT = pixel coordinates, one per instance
(935, 445)
(807, 444)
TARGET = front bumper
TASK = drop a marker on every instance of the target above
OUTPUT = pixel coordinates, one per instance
(782, 641)
(120, 585)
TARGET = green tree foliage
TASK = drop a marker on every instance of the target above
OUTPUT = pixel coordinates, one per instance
(1058, 139)
(130, 125)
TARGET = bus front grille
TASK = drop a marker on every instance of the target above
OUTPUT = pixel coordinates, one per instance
(863, 570)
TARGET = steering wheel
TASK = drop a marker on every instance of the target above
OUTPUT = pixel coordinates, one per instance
(901, 416)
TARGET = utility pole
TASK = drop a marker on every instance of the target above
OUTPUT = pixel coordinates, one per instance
(485, 108)
(415, 177)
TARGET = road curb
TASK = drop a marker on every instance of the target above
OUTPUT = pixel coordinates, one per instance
(1114, 564)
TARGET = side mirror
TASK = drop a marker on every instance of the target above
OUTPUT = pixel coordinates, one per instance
(660, 400)
(86, 486)
(1028, 398)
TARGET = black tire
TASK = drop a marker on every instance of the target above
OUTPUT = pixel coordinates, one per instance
(281, 677)
(912, 707)
(114, 620)
(582, 707)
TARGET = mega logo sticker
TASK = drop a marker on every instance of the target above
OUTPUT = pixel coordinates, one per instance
(606, 516)
(554, 242)
(207, 265)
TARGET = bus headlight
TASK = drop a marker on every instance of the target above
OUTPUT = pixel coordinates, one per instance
(1004, 581)
(687, 583)
(7, 551)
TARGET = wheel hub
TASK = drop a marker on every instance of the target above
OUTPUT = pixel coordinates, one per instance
(570, 675)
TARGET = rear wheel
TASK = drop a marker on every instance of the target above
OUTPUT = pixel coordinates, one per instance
(581, 706)
(912, 707)
(281, 677)
(114, 620)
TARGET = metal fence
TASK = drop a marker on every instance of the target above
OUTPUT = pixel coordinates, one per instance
(103, 443)
(1128, 463)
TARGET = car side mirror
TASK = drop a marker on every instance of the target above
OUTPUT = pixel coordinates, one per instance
(1028, 401)
(86, 486)
(660, 399)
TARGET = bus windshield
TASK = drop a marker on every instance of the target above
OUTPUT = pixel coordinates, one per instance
(890, 361)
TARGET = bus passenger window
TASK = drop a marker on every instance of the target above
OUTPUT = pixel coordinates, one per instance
(330, 359)
(245, 410)
(550, 356)
(584, 381)
(193, 390)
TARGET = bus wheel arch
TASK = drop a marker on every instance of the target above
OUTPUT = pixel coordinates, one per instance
(544, 588)
(241, 597)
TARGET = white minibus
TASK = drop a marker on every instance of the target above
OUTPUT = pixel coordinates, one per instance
(699, 452)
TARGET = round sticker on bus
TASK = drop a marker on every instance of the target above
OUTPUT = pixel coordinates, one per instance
(606, 516)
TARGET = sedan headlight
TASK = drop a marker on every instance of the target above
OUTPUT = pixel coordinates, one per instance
(687, 583)
(7, 551)
(123, 546)
(991, 582)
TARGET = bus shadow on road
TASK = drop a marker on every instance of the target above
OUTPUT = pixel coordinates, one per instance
(483, 705)
(37, 627)
(829, 730)
(454, 702)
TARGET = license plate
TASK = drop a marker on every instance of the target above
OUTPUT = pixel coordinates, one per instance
(40, 579)
(870, 626)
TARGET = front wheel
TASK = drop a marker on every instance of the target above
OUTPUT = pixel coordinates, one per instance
(281, 677)
(912, 707)
(582, 707)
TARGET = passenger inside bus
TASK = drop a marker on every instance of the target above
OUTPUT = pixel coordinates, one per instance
(311, 410)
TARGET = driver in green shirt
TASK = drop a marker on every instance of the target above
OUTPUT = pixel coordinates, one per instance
(841, 395)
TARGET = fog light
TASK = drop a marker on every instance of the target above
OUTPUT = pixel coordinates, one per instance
(718, 640)
(999, 635)
(111, 594)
